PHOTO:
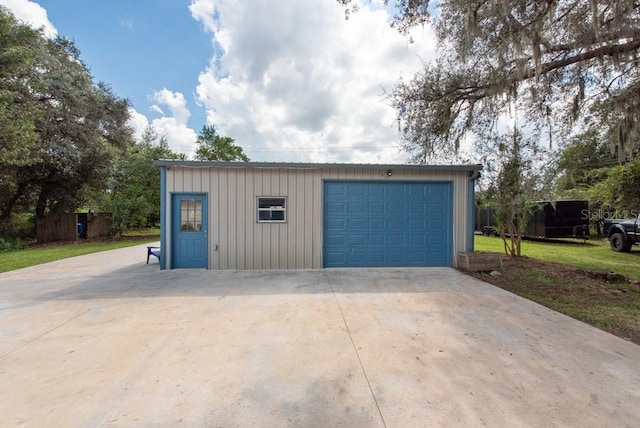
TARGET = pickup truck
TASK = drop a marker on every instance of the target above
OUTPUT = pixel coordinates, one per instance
(622, 233)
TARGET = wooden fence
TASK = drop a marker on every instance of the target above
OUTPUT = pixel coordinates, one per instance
(65, 226)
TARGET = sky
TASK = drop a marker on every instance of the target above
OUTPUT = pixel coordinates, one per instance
(289, 80)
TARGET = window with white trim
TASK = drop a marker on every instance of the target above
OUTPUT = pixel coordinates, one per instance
(272, 209)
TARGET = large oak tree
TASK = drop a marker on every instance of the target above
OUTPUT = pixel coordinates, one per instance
(561, 63)
(59, 131)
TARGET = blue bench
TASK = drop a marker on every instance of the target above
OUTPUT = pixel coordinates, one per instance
(153, 251)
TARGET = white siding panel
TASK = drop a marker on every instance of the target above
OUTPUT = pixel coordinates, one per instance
(214, 219)
(300, 210)
(249, 220)
(292, 220)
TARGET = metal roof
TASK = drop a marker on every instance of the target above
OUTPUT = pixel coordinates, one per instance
(302, 165)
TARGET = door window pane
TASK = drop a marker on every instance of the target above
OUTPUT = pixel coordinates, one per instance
(191, 215)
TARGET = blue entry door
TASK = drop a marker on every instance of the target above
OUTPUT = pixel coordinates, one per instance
(189, 231)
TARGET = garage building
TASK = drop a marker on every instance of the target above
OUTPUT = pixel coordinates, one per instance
(257, 215)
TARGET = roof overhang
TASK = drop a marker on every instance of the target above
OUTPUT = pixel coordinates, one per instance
(471, 168)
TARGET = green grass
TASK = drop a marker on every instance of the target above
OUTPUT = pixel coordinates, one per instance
(594, 254)
(19, 259)
(145, 231)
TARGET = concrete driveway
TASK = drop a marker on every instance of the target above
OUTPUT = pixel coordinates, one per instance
(106, 340)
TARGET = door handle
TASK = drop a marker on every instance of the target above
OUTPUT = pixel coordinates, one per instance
(205, 234)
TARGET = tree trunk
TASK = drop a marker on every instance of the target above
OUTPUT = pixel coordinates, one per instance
(7, 209)
(41, 205)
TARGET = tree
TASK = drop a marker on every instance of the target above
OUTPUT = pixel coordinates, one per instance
(20, 48)
(513, 189)
(62, 131)
(576, 162)
(563, 62)
(82, 130)
(615, 189)
(134, 192)
(214, 147)
(588, 170)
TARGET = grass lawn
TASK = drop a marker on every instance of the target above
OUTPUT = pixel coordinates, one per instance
(593, 254)
(19, 259)
(574, 278)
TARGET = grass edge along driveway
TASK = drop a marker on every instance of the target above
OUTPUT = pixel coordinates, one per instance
(591, 254)
(12, 260)
(572, 278)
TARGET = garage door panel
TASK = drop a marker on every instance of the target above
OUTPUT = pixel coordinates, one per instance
(438, 192)
(335, 207)
(396, 224)
(387, 223)
(417, 225)
(376, 191)
(376, 225)
(436, 225)
(357, 239)
(376, 258)
(418, 208)
(356, 257)
(356, 208)
(335, 191)
(435, 240)
(396, 257)
(396, 240)
(417, 240)
(335, 224)
(436, 259)
(376, 240)
(415, 191)
(395, 191)
(336, 258)
(396, 208)
(356, 224)
(376, 208)
(335, 239)
(437, 210)
(356, 189)
(417, 257)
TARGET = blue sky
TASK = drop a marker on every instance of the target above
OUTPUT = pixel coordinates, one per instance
(289, 80)
(138, 46)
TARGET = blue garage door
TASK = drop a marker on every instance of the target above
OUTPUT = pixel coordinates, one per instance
(387, 223)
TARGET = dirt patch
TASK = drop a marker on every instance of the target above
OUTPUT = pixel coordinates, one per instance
(606, 300)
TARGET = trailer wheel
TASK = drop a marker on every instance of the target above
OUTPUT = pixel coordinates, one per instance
(619, 244)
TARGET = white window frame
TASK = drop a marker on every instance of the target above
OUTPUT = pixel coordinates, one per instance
(271, 209)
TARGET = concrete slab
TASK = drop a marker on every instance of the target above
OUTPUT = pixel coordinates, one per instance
(106, 340)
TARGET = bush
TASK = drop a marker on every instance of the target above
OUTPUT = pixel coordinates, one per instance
(18, 227)
(11, 245)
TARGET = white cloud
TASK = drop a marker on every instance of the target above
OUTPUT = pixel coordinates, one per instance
(296, 82)
(138, 122)
(32, 14)
(180, 137)
(157, 109)
(175, 102)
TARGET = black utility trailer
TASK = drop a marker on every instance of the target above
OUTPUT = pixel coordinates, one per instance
(549, 220)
